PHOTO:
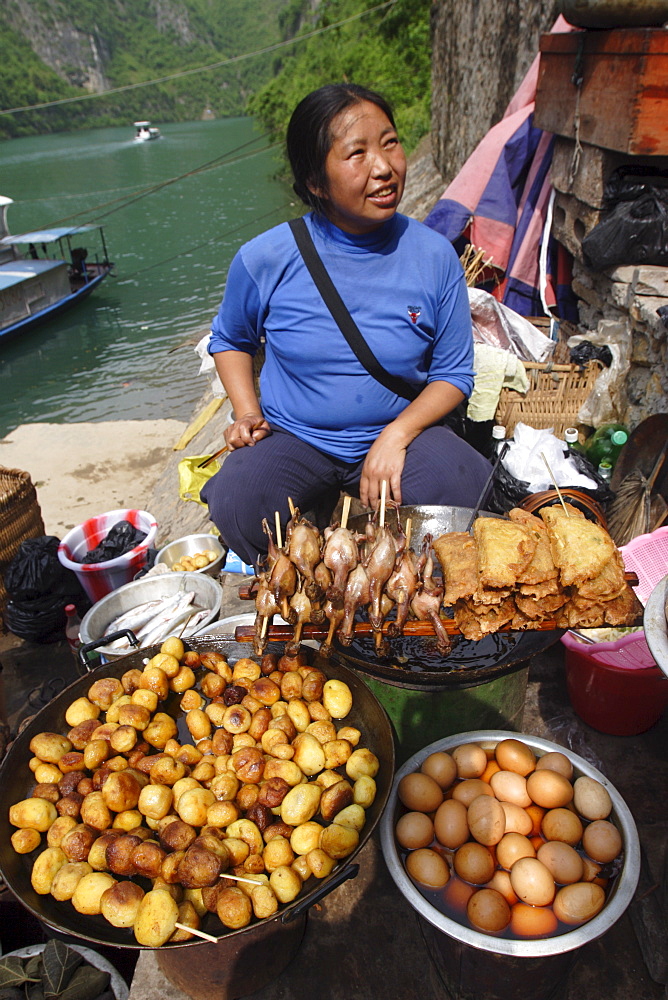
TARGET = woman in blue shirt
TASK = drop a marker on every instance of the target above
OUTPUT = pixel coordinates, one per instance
(324, 424)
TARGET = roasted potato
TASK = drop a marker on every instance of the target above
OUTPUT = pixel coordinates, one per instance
(58, 829)
(25, 841)
(81, 710)
(50, 747)
(44, 870)
(234, 908)
(33, 814)
(120, 903)
(300, 804)
(67, 879)
(156, 918)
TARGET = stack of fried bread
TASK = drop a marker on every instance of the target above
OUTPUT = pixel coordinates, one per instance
(524, 571)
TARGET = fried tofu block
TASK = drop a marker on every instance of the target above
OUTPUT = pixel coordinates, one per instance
(542, 608)
(476, 621)
(457, 553)
(541, 568)
(580, 613)
(609, 583)
(623, 610)
(505, 549)
(580, 548)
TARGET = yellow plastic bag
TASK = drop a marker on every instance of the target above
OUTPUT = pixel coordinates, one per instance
(192, 478)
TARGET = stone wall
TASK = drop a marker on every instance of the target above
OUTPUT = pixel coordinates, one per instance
(480, 54)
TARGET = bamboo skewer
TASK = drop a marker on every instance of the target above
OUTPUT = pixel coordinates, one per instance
(554, 481)
(197, 933)
(346, 511)
(279, 537)
(291, 506)
(240, 878)
(409, 528)
(383, 491)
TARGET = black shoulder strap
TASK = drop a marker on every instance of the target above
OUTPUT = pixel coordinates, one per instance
(344, 320)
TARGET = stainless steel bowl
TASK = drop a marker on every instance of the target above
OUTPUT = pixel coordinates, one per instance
(618, 900)
(191, 545)
(425, 519)
(208, 594)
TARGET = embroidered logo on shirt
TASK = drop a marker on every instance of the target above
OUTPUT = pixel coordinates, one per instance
(414, 313)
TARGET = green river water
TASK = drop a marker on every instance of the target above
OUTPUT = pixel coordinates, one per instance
(113, 356)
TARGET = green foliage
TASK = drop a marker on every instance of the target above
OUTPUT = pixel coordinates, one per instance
(388, 51)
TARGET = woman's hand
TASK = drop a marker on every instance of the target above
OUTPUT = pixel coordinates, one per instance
(246, 431)
(384, 461)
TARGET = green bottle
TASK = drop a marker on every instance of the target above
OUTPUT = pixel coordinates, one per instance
(606, 443)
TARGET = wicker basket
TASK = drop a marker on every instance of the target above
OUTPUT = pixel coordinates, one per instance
(554, 397)
(20, 518)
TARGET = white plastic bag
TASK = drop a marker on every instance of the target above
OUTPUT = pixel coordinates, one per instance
(605, 403)
(208, 367)
(524, 460)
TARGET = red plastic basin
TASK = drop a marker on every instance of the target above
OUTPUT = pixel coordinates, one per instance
(615, 687)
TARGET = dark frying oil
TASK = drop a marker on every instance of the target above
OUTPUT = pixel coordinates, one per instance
(420, 653)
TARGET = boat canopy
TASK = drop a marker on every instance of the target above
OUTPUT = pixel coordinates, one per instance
(23, 270)
(141, 124)
(48, 235)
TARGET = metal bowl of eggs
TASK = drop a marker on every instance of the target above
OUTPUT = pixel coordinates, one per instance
(440, 818)
(193, 554)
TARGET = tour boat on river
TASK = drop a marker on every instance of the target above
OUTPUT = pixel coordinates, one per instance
(144, 131)
(49, 276)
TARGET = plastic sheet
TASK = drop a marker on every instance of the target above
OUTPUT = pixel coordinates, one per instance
(497, 325)
(605, 401)
(40, 587)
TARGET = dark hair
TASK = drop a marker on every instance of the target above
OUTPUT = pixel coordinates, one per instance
(309, 136)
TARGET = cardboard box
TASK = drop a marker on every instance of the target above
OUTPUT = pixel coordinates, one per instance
(622, 101)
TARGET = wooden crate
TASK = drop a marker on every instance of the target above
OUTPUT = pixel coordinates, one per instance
(623, 102)
(555, 395)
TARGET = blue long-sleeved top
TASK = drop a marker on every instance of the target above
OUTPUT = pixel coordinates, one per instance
(404, 287)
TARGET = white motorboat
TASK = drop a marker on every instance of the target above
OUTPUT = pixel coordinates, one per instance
(144, 132)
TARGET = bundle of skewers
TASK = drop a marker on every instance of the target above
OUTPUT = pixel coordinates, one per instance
(521, 572)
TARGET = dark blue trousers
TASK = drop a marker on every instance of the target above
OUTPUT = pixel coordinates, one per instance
(253, 483)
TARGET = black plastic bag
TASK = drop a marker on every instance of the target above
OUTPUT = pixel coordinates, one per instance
(508, 492)
(634, 227)
(36, 571)
(39, 589)
(121, 538)
(585, 352)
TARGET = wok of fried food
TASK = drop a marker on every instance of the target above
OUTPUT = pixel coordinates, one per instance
(560, 567)
(273, 789)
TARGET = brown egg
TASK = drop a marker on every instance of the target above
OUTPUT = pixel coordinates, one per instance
(486, 820)
(602, 840)
(563, 861)
(562, 824)
(474, 863)
(556, 761)
(488, 911)
(532, 882)
(549, 789)
(535, 814)
(450, 824)
(420, 792)
(441, 767)
(513, 755)
(510, 786)
(456, 895)
(577, 903)
(471, 760)
(511, 848)
(517, 819)
(469, 789)
(492, 768)
(414, 830)
(532, 921)
(500, 881)
(591, 799)
(428, 867)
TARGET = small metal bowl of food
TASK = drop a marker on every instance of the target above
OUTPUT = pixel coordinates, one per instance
(193, 554)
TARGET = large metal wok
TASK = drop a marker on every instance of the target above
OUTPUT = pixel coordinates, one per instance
(417, 660)
(17, 783)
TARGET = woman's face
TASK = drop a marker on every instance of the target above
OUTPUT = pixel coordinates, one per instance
(365, 169)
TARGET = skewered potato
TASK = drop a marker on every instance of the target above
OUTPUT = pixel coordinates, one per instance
(234, 908)
(156, 918)
(120, 902)
(67, 879)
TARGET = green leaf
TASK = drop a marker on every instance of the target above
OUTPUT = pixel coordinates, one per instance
(33, 967)
(34, 991)
(58, 964)
(86, 984)
(12, 972)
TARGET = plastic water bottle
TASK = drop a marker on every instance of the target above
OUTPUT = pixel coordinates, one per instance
(605, 470)
(498, 439)
(571, 439)
(606, 443)
(72, 626)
